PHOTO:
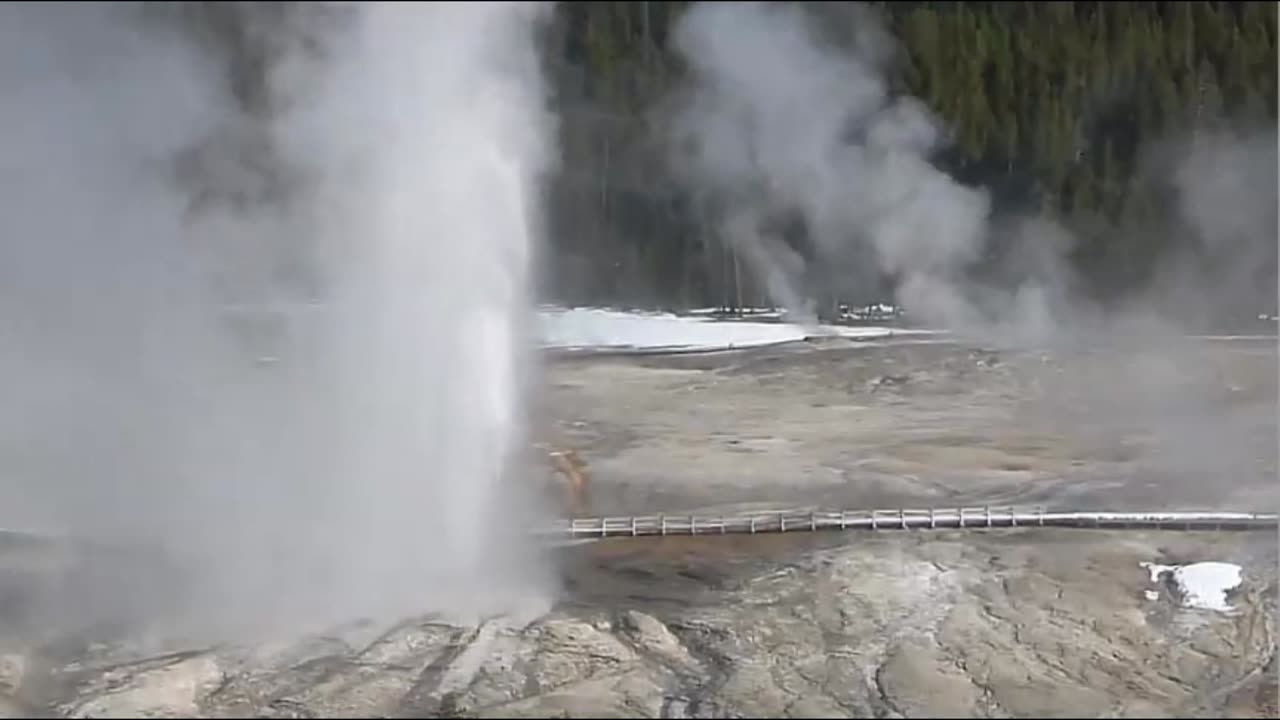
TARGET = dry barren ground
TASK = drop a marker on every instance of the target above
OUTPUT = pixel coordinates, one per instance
(982, 623)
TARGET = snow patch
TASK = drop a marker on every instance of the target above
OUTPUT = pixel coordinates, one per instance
(598, 328)
(1202, 585)
(612, 329)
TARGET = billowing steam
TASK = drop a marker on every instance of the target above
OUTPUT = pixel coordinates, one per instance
(779, 124)
(262, 296)
(777, 120)
(1224, 188)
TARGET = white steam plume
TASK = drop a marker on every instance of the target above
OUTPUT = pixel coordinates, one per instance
(263, 294)
(775, 119)
(1224, 190)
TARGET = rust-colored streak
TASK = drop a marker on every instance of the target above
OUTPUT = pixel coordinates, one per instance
(569, 464)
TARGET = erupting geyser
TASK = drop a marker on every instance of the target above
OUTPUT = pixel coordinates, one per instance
(262, 295)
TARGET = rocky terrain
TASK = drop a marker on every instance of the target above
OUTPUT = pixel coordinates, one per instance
(988, 624)
(985, 623)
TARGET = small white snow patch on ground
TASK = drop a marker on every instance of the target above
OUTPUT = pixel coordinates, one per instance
(1202, 585)
(598, 328)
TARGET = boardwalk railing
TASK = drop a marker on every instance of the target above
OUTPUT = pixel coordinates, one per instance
(782, 521)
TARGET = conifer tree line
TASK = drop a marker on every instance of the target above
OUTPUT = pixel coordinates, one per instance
(1051, 106)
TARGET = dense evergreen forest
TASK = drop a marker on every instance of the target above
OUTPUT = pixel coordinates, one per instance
(1051, 106)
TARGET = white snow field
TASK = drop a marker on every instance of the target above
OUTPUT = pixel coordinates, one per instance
(1203, 585)
(604, 329)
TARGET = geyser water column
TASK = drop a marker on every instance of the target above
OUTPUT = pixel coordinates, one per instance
(164, 162)
(435, 295)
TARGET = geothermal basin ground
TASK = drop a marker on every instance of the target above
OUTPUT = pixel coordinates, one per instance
(981, 623)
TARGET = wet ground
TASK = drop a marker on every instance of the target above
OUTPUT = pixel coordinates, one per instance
(981, 623)
(925, 423)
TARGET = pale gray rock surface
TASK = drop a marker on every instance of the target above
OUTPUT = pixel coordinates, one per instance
(1043, 623)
